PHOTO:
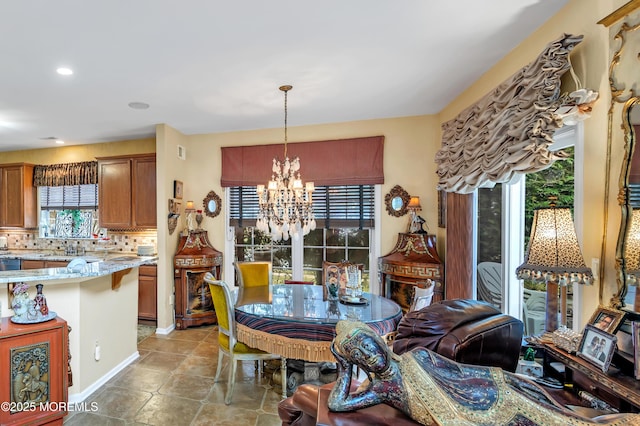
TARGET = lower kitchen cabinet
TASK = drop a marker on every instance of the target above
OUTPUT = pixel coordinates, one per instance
(39, 264)
(148, 294)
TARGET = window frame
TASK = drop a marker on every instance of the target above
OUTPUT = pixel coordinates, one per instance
(297, 245)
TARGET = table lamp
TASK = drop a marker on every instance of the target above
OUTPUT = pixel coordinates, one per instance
(554, 257)
(190, 210)
(414, 207)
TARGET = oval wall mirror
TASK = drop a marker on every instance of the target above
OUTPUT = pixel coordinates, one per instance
(397, 201)
(212, 204)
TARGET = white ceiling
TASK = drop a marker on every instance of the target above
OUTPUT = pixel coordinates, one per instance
(208, 66)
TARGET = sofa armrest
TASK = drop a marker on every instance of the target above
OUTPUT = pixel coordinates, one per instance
(493, 341)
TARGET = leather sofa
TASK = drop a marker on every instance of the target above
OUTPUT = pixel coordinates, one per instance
(467, 331)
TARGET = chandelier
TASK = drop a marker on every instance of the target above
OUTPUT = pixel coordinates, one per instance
(286, 207)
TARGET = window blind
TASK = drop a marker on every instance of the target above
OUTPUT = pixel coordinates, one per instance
(335, 206)
(69, 197)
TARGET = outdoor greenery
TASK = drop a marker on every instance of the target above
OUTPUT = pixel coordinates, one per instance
(555, 181)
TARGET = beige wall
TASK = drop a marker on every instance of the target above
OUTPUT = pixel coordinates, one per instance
(76, 153)
(590, 60)
(169, 168)
(410, 146)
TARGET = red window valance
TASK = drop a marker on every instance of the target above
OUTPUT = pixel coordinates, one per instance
(356, 161)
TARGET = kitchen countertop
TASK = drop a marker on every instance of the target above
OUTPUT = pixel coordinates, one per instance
(96, 266)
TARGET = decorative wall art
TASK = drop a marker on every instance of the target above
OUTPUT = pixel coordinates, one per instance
(212, 204)
(177, 189)
(397, 201)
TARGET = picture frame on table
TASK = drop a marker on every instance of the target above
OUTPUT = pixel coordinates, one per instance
(635, 337)
(177, 189)
(607, 319)
(597, 347)
(334, 278)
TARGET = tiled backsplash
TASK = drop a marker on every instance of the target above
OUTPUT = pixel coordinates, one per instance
(126, 242)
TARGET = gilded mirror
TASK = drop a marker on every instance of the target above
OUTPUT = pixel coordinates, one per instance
(624, 122)
(212, 204)
(397, 201)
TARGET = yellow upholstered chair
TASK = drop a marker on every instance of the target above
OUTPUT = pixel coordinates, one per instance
(227, 341)
(253, 274)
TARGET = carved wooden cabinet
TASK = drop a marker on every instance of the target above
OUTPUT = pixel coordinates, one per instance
(34, 362)
(412, 262)
(127, 191)
(18, 204)
(195, 257)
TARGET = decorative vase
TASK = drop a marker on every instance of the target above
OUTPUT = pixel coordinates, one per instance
(40, 301)
(199, 218)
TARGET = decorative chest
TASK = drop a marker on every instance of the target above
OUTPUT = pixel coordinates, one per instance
(412, 262)
(35, 377)
(194, 258)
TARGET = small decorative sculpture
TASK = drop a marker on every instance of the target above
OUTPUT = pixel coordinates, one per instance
(432, 389)
(27, 311)
(20, 304)
(40, 302)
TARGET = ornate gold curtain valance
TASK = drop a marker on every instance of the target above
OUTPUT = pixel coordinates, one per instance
(509, 130)
(83, 173)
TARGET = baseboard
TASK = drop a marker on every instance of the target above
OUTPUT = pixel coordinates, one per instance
(80, 397)
(165, 331)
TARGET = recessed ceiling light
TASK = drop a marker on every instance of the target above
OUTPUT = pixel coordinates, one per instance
(59, 142)
(64, 71)
(138, 105)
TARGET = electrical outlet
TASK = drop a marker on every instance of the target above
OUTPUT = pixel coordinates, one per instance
(96, 352)
(595, 268)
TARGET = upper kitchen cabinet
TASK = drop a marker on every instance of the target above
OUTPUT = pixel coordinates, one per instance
(18, 196)
(127, 191)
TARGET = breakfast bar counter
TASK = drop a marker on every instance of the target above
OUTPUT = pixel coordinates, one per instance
(99, 301)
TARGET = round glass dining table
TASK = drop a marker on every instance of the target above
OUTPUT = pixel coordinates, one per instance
(295, 321)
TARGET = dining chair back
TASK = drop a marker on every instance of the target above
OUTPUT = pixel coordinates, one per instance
(227, 340)
(299, 282)
(253, 274)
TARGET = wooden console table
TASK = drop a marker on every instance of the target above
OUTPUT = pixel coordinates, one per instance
(615, 388)
(34, 361)
(412, 262)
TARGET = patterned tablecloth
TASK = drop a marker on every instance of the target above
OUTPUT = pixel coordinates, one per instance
(295, 322)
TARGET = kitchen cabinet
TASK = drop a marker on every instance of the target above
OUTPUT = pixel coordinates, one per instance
(18, 196)
(127, 191)
(34, 360)
(39, 264)
(148, 294)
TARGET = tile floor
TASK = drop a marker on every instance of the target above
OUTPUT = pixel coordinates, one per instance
(172, 384)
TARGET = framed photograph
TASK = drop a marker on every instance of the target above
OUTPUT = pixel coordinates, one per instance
(174, 207)
(607, 319)
(597, 347)
(177, 189)
(635, 337)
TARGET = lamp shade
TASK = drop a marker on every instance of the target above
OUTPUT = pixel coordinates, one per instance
(414, 204)
(553, 252)
(632, 248)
